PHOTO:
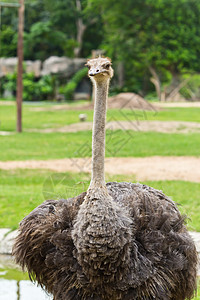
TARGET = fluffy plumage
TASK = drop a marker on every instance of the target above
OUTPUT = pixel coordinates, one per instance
(119, 241)
(136, 246)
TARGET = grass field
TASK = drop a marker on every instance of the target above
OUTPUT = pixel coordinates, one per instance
(58, 118)
(119, 143)
(26, 191)
(22, 190)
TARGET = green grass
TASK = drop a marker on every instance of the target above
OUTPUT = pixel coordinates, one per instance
(55, 118)
(190, 114)
(39, 119)
(22, 190)
(118, 144)
(198, 292)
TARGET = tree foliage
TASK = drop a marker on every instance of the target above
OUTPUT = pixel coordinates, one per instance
(141, 34)
(53, 28)
(155, 33)
(33, 90)
(8, 41)
(70, 87)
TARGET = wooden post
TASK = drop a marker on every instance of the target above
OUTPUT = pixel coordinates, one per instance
(20, 66)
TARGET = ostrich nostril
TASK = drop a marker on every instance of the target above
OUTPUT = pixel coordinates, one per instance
(97, 71)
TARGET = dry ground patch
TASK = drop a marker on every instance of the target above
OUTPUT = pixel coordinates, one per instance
(156, 126)
(148, 168)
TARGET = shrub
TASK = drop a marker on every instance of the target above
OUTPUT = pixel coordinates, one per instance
(70, 87)
(192, 90)
(33, 89)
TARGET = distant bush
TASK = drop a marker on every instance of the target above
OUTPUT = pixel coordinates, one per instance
(41, 89)
(192, 90)
(8, 41)
(8, 83)
(33, 89)
(70, 87)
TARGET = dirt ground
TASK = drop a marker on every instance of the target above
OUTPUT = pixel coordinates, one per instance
(147, 168)
(3, 133)
(2, 102)
(157, 126)
(177, 104)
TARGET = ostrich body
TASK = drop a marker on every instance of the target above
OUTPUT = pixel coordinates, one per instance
(117, 241)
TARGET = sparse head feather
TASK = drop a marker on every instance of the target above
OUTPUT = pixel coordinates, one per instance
(100, 60)
(100, 67)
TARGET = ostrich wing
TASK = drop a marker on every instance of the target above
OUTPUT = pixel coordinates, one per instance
(44, 235)
(164, 257)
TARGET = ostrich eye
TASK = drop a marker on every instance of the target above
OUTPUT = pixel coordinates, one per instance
(88, 66)
(107, 66)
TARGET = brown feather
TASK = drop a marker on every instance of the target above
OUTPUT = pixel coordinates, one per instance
(157, 257)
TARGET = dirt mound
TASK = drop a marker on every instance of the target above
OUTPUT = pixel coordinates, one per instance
(129, 101)
(120, 101)
(125, 100)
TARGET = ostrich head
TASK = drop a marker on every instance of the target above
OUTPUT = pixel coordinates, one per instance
(100, 68)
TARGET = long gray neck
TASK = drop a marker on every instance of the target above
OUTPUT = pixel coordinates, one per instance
(98, 137)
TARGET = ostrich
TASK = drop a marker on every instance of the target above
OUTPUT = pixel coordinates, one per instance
(117, 241)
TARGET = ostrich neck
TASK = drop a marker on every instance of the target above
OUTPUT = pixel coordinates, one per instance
(98, 137)
(102, 231)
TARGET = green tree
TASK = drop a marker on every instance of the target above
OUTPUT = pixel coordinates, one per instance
(43, 41)
(82, 27)
(8, 41)
(62, 27)
(159, 34)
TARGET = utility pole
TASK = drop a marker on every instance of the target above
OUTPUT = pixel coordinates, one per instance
(20, 56)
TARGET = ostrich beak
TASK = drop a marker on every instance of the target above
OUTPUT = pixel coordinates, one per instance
(94, 72)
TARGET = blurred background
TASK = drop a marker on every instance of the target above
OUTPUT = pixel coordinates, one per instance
(154, 46)
(153, 118)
